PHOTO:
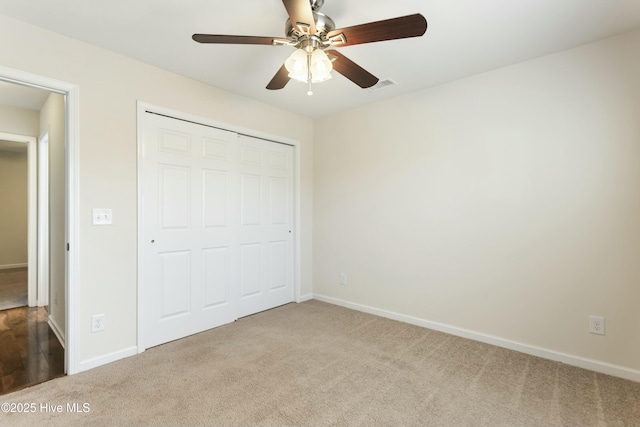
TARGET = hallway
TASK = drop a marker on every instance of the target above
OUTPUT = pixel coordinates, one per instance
(30, 353)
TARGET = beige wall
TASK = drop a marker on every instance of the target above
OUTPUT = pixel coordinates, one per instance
(19, 121)
(109, 86)
(507, 204)
(52, 121)
(13, 208)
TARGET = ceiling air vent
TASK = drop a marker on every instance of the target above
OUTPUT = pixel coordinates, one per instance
(382, 84)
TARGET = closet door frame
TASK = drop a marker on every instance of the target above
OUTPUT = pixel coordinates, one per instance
(143, 109)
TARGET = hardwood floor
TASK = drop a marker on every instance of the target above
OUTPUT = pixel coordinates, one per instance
(13, 288)
(30, 353)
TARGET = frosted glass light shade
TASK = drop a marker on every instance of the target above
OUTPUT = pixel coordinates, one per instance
(297, 66)
(320, 66)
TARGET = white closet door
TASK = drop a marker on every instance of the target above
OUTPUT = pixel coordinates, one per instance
(266, 225)
(217, 215)
(190, 232)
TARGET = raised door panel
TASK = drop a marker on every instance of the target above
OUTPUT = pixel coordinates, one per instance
(215, 283)
(215, 198)
(278, 265)
(278, 201)
(174, 191)
(175, 278)
(250, 199)
(250, 269)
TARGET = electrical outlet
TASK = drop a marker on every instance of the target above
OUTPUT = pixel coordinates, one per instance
(596, 325)
(97, 322)
(343, 279)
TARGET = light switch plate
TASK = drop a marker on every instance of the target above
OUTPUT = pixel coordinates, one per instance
(102, 216)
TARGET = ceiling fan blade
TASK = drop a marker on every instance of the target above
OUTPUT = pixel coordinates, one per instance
(300, 13)
(352, 71)
(280, 80)
(226, 39)
(389, 29)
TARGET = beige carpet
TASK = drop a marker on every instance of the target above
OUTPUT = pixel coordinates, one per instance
(315, 364)
(13, 288)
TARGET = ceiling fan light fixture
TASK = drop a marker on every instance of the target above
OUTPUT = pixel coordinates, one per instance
(300, 63)
(312, 32)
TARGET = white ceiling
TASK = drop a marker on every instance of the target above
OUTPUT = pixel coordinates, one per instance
(464, 37)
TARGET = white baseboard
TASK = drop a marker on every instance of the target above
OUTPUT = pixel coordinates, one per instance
(59, 333)
(107, 358)
(593, 365)
(305, 297)
(8, 266)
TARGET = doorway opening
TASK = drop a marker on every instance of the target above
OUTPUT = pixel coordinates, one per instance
(32, 256)
(51, 288)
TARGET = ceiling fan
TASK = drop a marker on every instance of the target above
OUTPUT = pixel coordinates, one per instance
(313, 34)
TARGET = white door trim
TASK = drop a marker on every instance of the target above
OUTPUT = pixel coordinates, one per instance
(43, 220)
(142, 109)
(32, 212)
(72, 119)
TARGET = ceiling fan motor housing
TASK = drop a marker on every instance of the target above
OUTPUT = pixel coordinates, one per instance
(324, 25)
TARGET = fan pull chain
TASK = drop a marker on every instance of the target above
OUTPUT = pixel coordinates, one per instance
(310, 91)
